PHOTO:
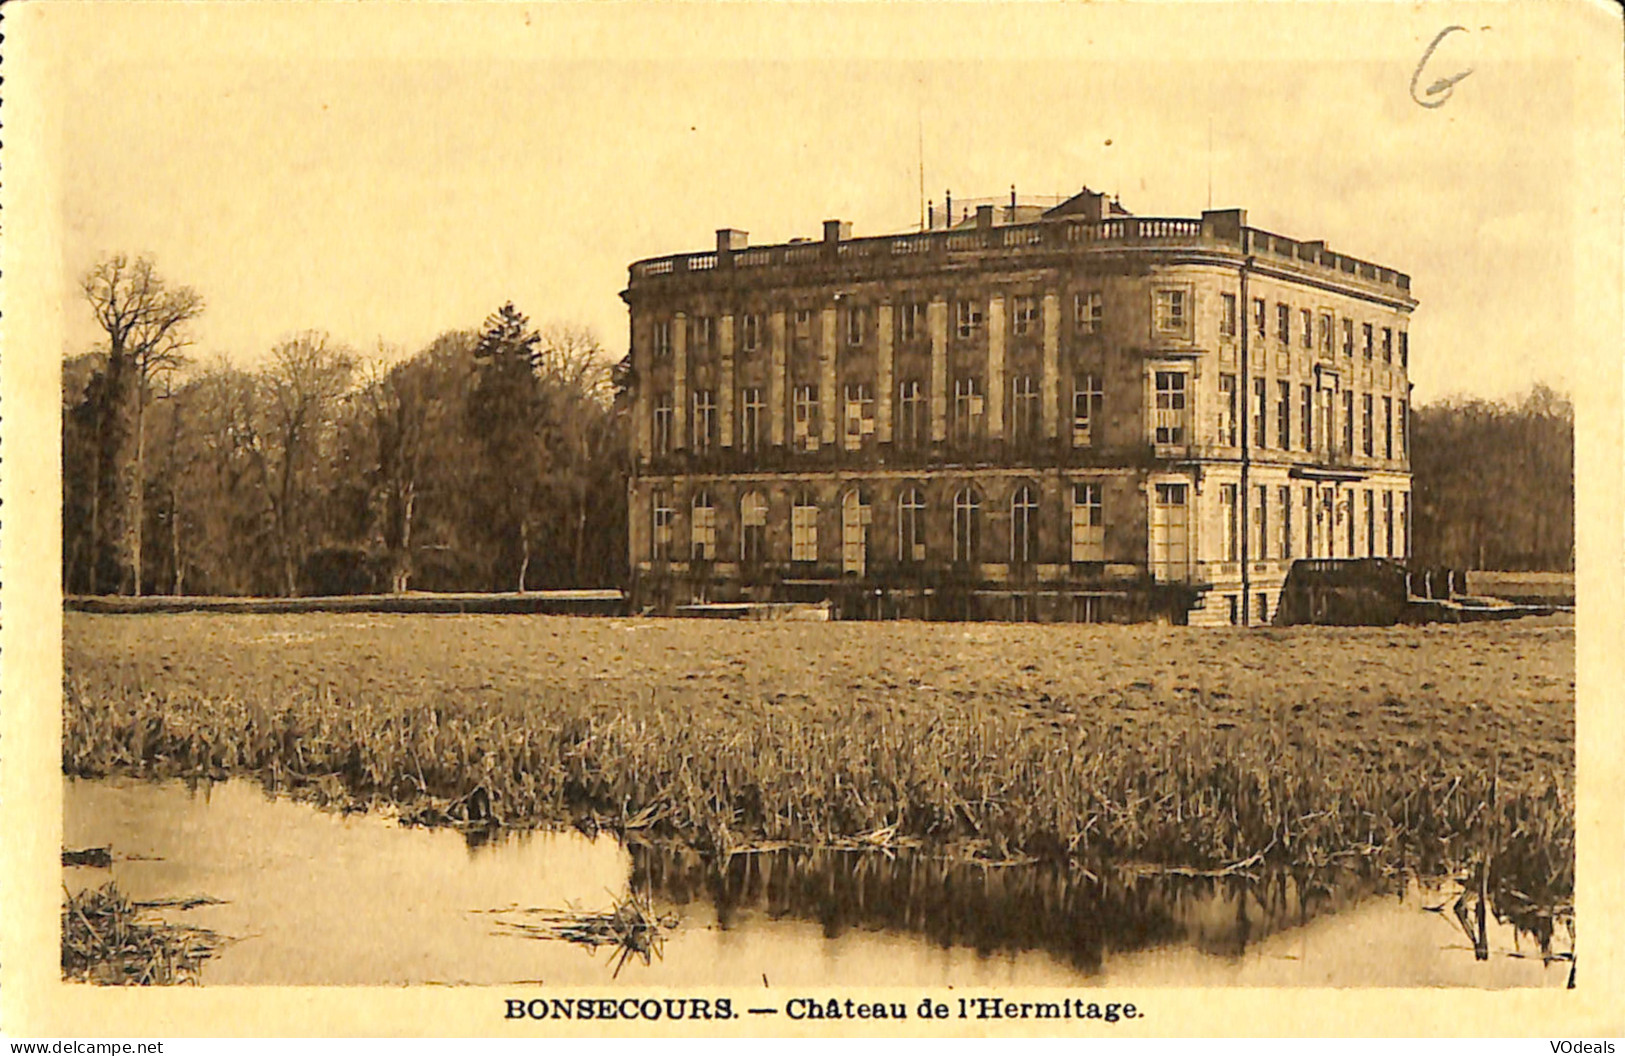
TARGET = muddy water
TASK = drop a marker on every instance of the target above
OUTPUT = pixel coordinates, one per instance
(317, 898)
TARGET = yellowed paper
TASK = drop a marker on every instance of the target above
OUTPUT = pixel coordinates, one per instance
(387, 172)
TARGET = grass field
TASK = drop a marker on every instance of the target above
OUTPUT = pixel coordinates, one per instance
(1425, 748)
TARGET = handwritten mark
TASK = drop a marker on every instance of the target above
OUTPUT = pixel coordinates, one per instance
(1444, 87)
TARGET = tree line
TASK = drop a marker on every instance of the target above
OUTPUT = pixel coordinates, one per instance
(492, 459)
(1493, 483)
(497, 459)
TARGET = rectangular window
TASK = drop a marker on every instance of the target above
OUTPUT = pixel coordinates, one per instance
(1348, 421)
(1024, 315)
(660, 540)
(969, 316)
(1348, 337)
(1232, 603)
(1309, 520)
(1086, 312)
(801, 325)
(1260, 413)
(1283, 324)
(910, 414)
(705, 420)
(662, 338)
(1405, 349)
(911, 322)
(1307, 318)
(967, 409)
(753, 528)
(1086, 405)
(1388, 427)
(1261, 523)
(803, 531)
(1388, 521)
(1326, 334)
(860, 415)
(1404, 525)
(1283, 414)
(752, 412)
(1400, 433)
(1171, 311)
(804, 418)
(1368, 443)
(1366, 338)
(1306, 416)
(1088, 527)
(1370, 523)
(1227, 409)
(855, 324)
(1387, 344)
(1024, 408)
(1227, 513)
(1170, 410)
(1285, 497)
(1258, 317)
(660, 435)
(701, 334)
(750, 333)
(703, 529)
(910, 526)
(1227, 314)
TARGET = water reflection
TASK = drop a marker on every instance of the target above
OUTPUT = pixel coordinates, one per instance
(1079, 919)
(317, 898)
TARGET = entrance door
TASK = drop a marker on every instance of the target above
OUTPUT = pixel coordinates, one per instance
(1170, 533)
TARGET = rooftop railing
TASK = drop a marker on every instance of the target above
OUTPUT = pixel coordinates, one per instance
(1045, 236)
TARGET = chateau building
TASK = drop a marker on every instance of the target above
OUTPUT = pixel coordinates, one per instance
(1062, 413)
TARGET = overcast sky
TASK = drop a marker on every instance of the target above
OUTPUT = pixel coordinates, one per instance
(386, 174)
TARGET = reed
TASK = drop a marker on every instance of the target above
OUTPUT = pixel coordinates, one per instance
(482, 722)
(990, 785)
(107, 939)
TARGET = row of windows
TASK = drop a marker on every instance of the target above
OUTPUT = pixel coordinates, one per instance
(1328, 518)
(1328, 329)
(1171, 315)
(857, 410)
(1394, 418)
(857, 322)
(1087, 526)
(1170, 425)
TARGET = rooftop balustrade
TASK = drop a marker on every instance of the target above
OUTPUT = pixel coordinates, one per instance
(1015, 240)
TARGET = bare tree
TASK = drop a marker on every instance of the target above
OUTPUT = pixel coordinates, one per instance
(577, 391)
(299, 393)
(145, 322)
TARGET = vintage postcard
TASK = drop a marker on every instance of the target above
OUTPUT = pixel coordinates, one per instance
(1092, 520)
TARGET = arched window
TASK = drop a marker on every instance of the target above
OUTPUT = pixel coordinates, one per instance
(1023, 525)
(703, 528)
(910, 526)
(752, 528)
(967, 525)
(804, 527)
(660, 540)
(855, 532)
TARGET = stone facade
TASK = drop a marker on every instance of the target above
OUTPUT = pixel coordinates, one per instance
(1078, 416)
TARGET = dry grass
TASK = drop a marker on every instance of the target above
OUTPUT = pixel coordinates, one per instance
(1096, 745)
(632, 928)
(106, 939)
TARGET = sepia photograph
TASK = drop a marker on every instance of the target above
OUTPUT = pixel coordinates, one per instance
(815, 518)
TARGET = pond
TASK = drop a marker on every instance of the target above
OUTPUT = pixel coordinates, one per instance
(309, 897)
